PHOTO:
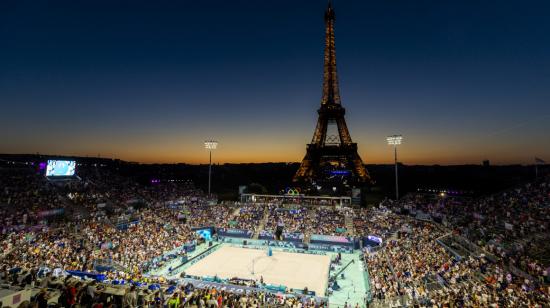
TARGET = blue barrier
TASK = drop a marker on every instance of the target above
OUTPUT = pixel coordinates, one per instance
(96, 276)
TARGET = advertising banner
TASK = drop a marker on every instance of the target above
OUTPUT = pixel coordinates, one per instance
(332, 240)
(287, 236)
(235, 233)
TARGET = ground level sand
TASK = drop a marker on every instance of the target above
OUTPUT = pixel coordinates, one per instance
(293, 270)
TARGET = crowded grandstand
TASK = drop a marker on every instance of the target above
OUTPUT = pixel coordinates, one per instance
(101, 239)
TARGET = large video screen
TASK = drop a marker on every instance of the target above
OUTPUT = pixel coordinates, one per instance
(206, 234)
(60, 168)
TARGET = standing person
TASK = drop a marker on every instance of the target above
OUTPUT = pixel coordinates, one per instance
(174, 301)
(130, 298)
(91, 291)
(70, 295)
(42, 299)
(161, 296)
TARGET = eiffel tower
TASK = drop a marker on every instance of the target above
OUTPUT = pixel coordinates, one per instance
(331, 157)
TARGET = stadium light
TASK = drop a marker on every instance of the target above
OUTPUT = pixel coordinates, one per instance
(395, 140)
(210, 145)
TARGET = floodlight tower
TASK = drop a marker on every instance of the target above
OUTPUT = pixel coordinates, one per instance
(395, 140)
(210, 145)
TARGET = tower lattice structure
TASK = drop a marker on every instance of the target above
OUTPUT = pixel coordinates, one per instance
(332, 155)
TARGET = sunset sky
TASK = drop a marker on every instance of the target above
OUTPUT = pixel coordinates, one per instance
(149, 81)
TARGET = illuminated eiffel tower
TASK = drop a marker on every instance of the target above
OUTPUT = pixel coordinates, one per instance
(331, 158)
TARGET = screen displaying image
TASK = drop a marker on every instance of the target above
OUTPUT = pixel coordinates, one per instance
(60, 168)
(206, 234)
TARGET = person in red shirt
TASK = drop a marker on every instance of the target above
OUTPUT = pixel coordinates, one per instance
(70, 295)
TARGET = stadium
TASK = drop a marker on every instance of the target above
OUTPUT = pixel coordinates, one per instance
(98, 236)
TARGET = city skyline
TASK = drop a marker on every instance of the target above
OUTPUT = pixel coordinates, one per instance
(149, 82)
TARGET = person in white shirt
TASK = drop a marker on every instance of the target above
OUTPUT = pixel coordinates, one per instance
(130, 298)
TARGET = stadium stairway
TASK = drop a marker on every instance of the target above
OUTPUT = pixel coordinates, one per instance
(350, 228)
(262, 224)
(235, 213)
(313, 217)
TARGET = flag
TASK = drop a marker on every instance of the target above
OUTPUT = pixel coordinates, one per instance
(539, 161)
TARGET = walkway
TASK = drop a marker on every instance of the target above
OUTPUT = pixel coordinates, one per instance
(313, 217)
(235, 213)
(350, 228)
(262, 224)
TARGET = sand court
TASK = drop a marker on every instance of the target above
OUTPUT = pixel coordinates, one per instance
(293, 270)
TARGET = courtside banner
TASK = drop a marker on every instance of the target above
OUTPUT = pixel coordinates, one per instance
(266, 235)
(287, 236)
(331, 247)
(331, 239)
(235, 233)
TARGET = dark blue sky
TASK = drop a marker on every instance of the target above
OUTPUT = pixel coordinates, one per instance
(148, 81)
